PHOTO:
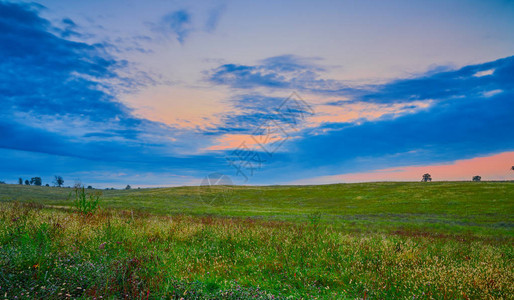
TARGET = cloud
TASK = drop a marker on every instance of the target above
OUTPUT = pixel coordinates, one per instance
(282, 72)
(70, 28)
(305, 75)
(60, 97)
(435, 117)
(178, 22)
(213, 18)
(448, 130)
(181, 23)
(464, 82)
(50, 75)
(60, 102)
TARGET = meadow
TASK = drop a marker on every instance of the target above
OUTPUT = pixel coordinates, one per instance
(439, 240)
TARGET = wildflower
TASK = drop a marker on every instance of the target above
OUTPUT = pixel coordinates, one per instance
(102, 245)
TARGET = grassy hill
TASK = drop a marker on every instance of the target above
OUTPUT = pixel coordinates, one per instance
(470, 206)
(372, 240)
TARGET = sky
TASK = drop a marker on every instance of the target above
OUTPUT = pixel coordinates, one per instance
(166, 93)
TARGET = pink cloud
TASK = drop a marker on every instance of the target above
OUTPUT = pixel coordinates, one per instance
(495, 167)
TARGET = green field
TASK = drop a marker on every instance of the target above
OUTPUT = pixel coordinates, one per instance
(371, 240)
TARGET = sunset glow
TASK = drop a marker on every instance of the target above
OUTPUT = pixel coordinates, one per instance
(163, 93)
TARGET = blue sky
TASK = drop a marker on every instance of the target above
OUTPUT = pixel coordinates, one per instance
(163, 93)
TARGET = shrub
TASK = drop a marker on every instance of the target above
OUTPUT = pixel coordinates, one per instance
(86, 203)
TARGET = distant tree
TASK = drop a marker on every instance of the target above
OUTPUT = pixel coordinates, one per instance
(58, 181)
(27, 182)
(512, 168)
(36, 181)
(477, 178)
(426, 177)
(20, 180)
(128, 187)
(47, 184)
(2, 182)
(89, 187)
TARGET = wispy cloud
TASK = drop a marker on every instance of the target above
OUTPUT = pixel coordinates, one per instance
(214, 16)
(179, 22)
(285, 71)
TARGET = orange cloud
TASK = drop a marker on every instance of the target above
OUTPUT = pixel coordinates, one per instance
(352, 112)
(232, 141)
(179, 106)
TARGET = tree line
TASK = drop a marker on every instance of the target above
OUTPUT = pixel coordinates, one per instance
(58, 182)
(37, 181)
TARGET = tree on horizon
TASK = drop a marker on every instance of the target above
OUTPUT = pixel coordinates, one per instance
(477, 178)
(426, 177)
(36, 181)
(58, 181)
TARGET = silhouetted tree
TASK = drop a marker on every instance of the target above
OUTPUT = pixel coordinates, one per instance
(36, 181)
(27, 182)
(47, 184)
(89, 187)
(128, 187)
(426, 177)
(477, 178)
(512, 168)
(20, 180)
(58, 181)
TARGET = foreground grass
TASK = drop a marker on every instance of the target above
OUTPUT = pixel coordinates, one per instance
(58, 253)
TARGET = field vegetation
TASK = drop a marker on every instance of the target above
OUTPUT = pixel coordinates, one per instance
(440, 240)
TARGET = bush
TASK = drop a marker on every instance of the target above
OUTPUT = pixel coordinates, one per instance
(86, 203)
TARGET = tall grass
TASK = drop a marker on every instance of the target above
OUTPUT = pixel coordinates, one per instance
(56, 253)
